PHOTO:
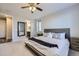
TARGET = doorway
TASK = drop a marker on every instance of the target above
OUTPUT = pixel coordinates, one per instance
(2, 29)
(5, 29)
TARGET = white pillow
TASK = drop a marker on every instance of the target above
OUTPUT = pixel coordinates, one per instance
(45, 34)
(58, 35)
(48, 35)
(63, 35)
(53, 35)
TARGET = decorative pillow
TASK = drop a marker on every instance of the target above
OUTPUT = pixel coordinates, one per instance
(58, 35)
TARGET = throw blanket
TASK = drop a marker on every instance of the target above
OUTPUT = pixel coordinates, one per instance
(44, 43)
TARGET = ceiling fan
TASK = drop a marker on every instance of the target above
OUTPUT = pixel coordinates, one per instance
(32, 7)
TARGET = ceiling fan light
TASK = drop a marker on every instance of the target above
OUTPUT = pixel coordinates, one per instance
(32, 8)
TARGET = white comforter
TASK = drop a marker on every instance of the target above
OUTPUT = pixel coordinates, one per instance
(62, 50)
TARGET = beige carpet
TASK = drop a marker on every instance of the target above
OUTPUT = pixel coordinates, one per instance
(73, 53)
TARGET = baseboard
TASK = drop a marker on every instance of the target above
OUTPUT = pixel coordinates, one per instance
(9, 40)
(2, 37)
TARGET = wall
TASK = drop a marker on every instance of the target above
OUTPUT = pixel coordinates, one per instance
(33, 28)
(66, 18)
(16, 19)
(28, 25)
(2, 28)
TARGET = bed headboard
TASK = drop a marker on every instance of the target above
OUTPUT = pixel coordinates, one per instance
(60, 30)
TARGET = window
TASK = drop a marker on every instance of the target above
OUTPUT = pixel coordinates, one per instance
(38, 23)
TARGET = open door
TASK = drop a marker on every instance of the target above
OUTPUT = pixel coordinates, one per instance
(8, 28)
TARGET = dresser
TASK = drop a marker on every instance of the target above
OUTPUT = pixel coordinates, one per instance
(75, 43)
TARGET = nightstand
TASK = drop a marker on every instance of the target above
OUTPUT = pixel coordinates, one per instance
(28, 34)
(75, 43)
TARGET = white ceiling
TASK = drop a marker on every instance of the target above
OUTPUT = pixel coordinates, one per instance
(48, 8)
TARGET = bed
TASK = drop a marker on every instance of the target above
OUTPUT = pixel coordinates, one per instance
(56, 48)
(27, 47)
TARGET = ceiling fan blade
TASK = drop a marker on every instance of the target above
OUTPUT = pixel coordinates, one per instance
(25, 7)
(38, 3)
(39, 9)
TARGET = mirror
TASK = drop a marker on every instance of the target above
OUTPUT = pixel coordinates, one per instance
(21, 28)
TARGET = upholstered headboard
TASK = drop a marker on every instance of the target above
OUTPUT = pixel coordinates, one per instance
(60, 30)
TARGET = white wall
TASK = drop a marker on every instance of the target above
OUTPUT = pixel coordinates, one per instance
(66, 18)
(33, 28)
(2, 28)
(15, 19)
(28, 25)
